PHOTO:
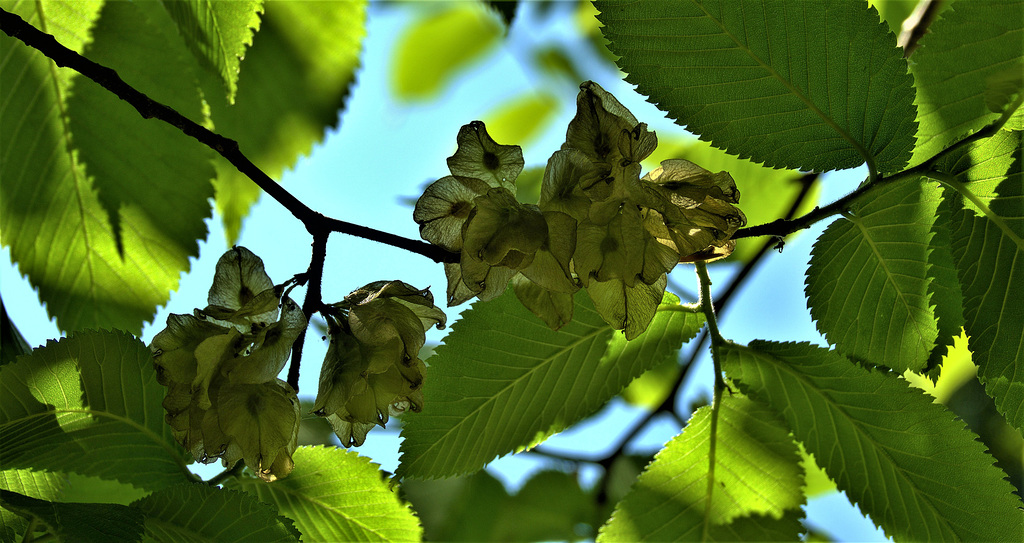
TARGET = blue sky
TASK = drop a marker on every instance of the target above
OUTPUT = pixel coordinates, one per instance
(386, 150)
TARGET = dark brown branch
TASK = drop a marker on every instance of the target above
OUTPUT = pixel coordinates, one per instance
(785, 227)
(148, 108)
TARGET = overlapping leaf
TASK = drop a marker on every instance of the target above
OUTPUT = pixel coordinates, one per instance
(93, 224)
(909, 462)
(867, 282)
(218, 33)
(757, 472)
(89, 404)
(972, 51)
(987, 232)
(294, 81)
(478, 508)
(44, 485)
(504, 381)
(802, 85)
(336, 495)
(86, 522)
(199, 512)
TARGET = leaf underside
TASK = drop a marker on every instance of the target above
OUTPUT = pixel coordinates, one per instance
(504, 381)
(868, 278)
(908, 462)
(811, 86)
(89, 404)
(988, 251)
(337, 495)
(757, 474)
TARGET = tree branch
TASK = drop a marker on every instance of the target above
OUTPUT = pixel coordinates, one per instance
(16, 27)
(785, 227)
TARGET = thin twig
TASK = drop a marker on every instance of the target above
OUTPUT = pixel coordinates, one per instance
(229, 473)
(16, 27)
(915, 26)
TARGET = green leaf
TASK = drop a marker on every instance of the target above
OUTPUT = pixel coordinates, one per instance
(943, 288)
(756, 471)
(867, 281)
(910, 463)
(766, 194)
(83, 489)
(218, 33)
(199, 512)
(295, 78)
(103, 248)
(437, 47)
(478, 508)
(893, 12)
(805, 85)
(521, 119)
(504, 381)
(336, 495)
(98, 522)
(987, 231)
(89, 404)
(44, 485)
(972, 48)
(12, 343)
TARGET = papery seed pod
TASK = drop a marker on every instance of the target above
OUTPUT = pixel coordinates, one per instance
(262, 420)
(444, 207)
(240, 277)
(605, 131)
(269, 349)
(480, 157)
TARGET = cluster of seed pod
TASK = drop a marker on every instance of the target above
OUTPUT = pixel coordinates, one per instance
(220, 367)
(372, 370)
(598, 225)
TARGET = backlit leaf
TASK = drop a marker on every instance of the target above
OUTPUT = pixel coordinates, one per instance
(971, 48)
(45, 485)
(436, 48)
(218, 33)
(89, 404)
(867, 282)
(907, 461)
(87, 522)
(336, 495)
(757, 472)
(987, 231)
(503, 381)
(295, 78)
(199, 512)
(803, 85)
(104, 243)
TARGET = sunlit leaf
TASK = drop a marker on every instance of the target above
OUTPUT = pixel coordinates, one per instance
(987, 231)
(337, 495)
(757, 472)
(760, 79)
(294, 80)
(58, 229)
(909, 463)
(82, 489)
(436, 48)
(218, 34)
(89, 404)
(504, 381)
(550, 506)
(87, 522)
(969, 49)
(867, 282)
(199, 512)
(44, 485)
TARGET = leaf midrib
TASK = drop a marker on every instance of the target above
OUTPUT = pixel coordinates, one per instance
(868, 157)
(837, 407)
(475, 412)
